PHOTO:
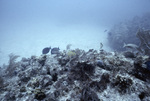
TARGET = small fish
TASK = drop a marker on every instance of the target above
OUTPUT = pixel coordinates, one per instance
(55, 50)
(46, 50)
(101, 46)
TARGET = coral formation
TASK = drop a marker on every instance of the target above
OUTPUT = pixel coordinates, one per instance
(122, 83)
(12, 65)
(88, 95)
(39, 94)
(125, 32)
(88, 76)
(71, 54)
(144, 36)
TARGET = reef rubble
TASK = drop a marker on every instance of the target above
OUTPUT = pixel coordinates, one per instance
(76, 76)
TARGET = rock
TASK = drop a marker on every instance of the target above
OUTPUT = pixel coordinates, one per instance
(1, 82)
(10, 96)
(89, 95)
(142, 95)
(90, 76)
(42, 60)
(25, 64)
(46, 81)
(140, 72)
(23, 89)
(54, 77)
(25, 59)
(102, 84)
(39, 95)
(82, 71)
(148, 65)
(100, 63)
(56, 94)
(86, 67)
(24, 79)
(104, 81)
(129, 54)
(122, 83)
(63, 61)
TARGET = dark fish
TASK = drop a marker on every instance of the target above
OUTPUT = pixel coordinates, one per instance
(55, 50)
(46, 50)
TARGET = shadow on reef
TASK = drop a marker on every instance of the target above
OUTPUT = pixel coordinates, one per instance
(76, 75)
(141, 72)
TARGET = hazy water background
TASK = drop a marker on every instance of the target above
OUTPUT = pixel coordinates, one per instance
(27, 26)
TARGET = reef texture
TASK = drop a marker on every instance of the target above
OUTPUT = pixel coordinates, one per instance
(144, 37)
(125, 32)
(85, 76)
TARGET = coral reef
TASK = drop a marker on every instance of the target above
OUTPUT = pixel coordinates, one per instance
(12, 64)
(87, 76)
(88, 95)
(125, 32)
(122, 84)
(144, 36)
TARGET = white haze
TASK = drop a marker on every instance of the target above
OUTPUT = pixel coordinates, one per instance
(28, 26)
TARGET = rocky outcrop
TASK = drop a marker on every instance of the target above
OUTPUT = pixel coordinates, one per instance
(87, 76)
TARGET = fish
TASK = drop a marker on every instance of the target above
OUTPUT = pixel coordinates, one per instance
(55, 50)
(132, 46)
(101, 45)
(46, 50)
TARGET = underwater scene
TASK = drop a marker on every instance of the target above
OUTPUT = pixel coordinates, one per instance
(74, 50)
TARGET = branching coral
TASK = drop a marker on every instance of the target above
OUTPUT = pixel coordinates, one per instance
(125, 32)
(12, 64)
(144, 37)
